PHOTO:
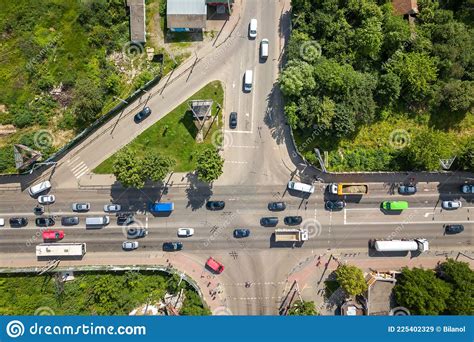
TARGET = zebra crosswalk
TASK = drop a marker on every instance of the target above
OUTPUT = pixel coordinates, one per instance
(77, 167)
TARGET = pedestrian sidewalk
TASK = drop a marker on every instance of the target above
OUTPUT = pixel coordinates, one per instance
(191, 265)
(314, 271)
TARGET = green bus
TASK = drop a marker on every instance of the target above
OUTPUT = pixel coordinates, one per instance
(395, 205)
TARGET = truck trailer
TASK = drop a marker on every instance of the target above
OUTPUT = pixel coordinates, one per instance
(61, 250)
(291, 234)
(348, 189)
(420, 245)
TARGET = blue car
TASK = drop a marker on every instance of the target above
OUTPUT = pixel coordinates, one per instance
(241, 233)
(144, 113)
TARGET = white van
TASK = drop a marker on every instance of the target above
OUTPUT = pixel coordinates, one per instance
(264, 49)
(253, 28)
(248, 80)
(97, 222)
(39, 188)
(300, 187)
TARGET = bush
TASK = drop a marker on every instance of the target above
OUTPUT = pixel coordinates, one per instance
(6, 158)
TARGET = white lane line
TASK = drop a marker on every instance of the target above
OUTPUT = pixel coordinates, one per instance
(82, 173)
(404, 222)
(235, 162)
(414, 208)
(77, 166)
(345, 216)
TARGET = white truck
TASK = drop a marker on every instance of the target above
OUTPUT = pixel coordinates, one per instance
(420, 245)
(45, 250)
(291, 235)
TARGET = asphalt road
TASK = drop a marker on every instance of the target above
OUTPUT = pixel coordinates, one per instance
(349, 228)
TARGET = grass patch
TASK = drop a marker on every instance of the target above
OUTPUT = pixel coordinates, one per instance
(370, 149)
(174, 135)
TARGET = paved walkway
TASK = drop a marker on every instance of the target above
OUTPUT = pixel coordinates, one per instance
(311, 273)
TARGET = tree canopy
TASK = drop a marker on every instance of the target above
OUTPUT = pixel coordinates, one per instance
(209, 164)
(351, 279)
(302, 308)
(355, 63)
(133, 171)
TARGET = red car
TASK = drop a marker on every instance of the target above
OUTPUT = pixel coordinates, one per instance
(53, 235)
(214, 265)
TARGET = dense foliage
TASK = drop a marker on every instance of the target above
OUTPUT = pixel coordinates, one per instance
(209, 164)
(351, 279)
(302, 308)
(91, 294)
(352, 64)
(450, 290)
(59, 68)
(133, 171)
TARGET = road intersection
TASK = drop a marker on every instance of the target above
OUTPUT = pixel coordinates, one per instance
(259, 160)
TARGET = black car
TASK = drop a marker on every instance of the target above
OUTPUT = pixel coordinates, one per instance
(125, 218)
(335, 205)
(172, 246)
(241, 233)
(276, 206)
(269, 221)
(136, 233)
(38, 210)
(69, 220)
(233, 120)
(407, 189)
(45, 221)
(144, 113)
(293, 220)
(17, 222)
(215, 205)
(453, 228)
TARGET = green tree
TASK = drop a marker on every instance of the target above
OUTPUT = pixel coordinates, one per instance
(302, 308)
(461, 278)
(428, 147)
(458, 95)
(209, 164)
(388, 89)
(128, 169)
(156, 167)
(88, 98)
(396, 31)
(422, 292)
(351, 279)
(466, 158)
(417, 71)
(369, 38)
(297, 78)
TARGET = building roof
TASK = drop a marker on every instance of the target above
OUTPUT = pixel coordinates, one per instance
(402, 7)
(186, 7)
(137, 20)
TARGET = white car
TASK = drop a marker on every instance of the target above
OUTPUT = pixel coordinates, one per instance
(185, 232)
(451, 204)
(253, 28)
(46, 199)
(130, 245)
(112, 208)
(2, 222)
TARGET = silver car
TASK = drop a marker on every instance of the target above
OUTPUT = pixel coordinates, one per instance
(130, 245)
(451, 204)
(112, 208)
(81, 206)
